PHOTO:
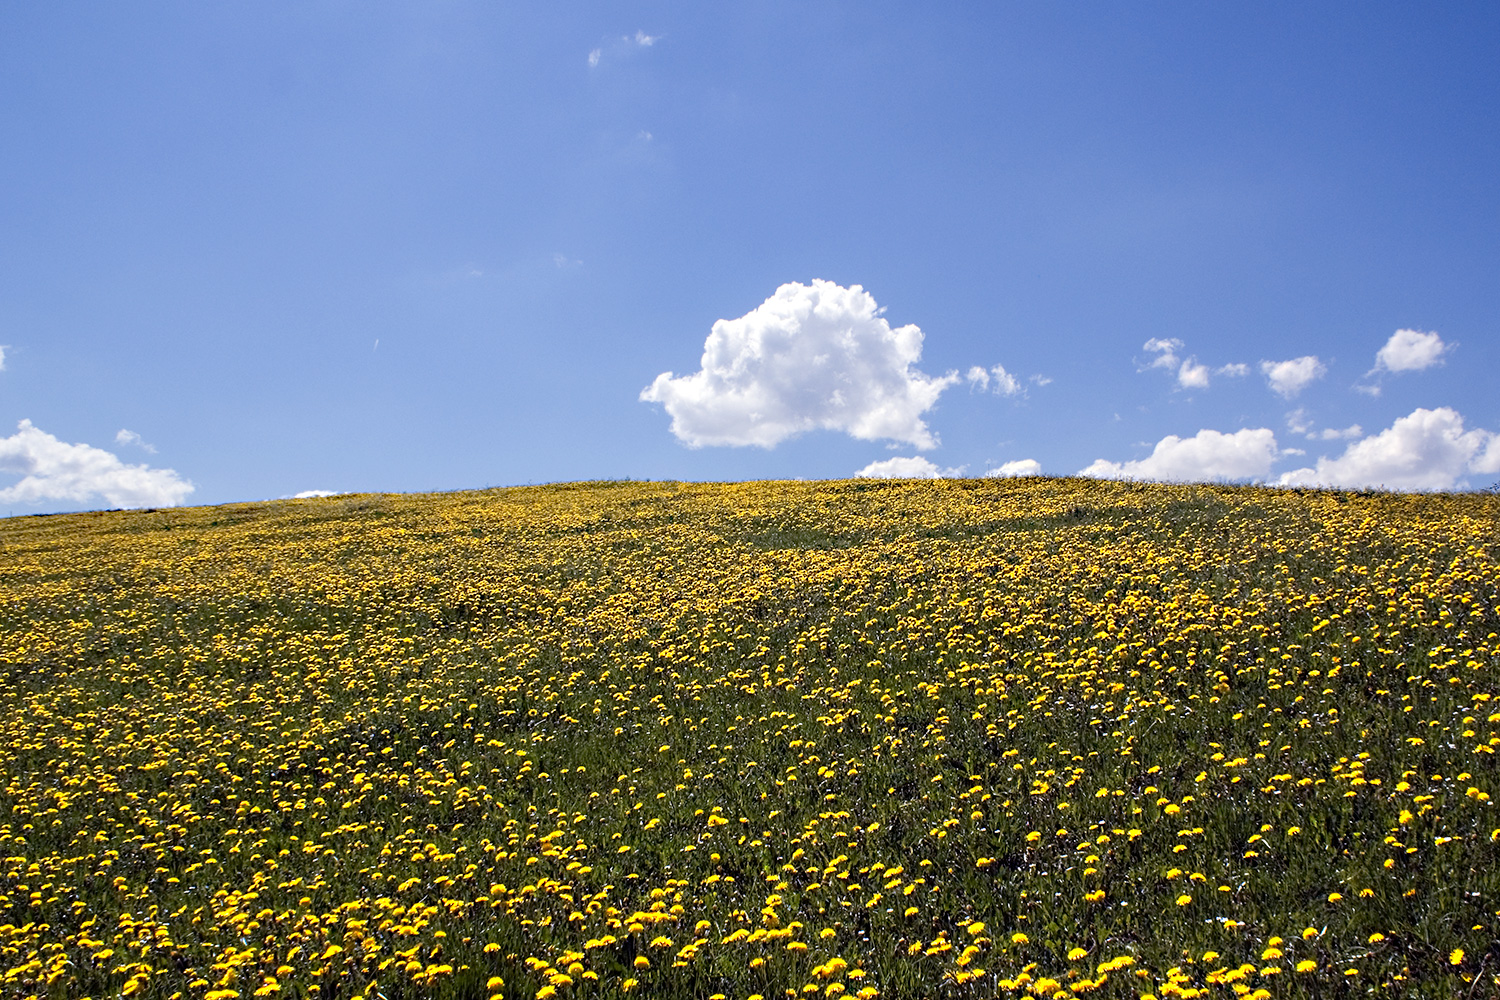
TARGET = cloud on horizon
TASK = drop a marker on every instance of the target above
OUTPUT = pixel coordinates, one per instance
(915, 467)
(1011, 470)
(1424, 450)
(54, 470)
(811, 357)
(1206, 456)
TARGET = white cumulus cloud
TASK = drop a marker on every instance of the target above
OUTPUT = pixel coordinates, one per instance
(1192, 375)
(1411, 351)
(1207, 455)
(810, 357)
(915, 467)
(1288, 378)
(1424, 450)
(313, 494)
(54, 470)
(1020, 467)
(1234, 370)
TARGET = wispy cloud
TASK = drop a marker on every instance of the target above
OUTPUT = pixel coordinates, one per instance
(625, 43)
(122, 436)
(996, 379)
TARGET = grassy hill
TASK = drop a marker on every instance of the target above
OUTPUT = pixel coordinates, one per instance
(956, 738)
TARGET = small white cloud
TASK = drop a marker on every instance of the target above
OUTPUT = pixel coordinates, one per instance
(1040, 380)
(2, 358)
(1020, 467)
(562, 261)
(1165, 350)
(1298, 422)
(624, 45)
(313, 494)
(1234, 370)
(1002, 381)
(1192, 375)
(1207, 455)
(643, 136)
(1410, 351)
(122, 436)
(810, 357)
(915, 467)
(53, 470)
(1424, 450)
(1288, 378)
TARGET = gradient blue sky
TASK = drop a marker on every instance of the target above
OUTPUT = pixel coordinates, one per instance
(399, 247)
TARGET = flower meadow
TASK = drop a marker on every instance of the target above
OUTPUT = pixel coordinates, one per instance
(964, 738)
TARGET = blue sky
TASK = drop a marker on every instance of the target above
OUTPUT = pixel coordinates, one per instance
(261, 250)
